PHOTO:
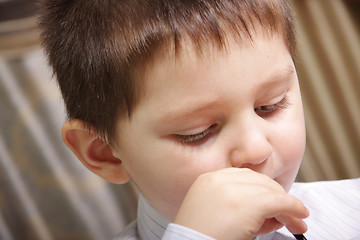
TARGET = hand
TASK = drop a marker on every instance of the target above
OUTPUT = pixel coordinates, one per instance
(238, 203)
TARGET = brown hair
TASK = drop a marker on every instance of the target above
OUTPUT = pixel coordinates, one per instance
(94, 46)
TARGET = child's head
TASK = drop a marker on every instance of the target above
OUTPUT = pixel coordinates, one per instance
(178, 89)
(97, 48)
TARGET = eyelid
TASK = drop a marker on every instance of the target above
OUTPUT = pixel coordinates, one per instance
(199, 137)
(193, 131)
(272, 108)
(272, 99)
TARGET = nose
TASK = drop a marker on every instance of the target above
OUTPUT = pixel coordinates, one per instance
(251, 144)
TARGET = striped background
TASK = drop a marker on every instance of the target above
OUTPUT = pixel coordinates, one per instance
(329, 73)
(45, 193)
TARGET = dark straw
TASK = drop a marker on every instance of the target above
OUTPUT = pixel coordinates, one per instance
(300, 237)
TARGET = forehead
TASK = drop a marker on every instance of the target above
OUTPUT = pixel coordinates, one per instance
(190, 73)
(190, 57)
(200, 44)
(206, 26)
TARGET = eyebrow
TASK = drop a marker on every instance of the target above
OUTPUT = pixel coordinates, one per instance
(280, 77)
(191, 108)
(188, 109)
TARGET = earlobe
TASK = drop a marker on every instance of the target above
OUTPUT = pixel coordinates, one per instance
(93, 152)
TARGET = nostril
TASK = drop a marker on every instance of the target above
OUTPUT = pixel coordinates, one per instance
(248, 159)
(252, 164)
(258, 167)
(264, 159)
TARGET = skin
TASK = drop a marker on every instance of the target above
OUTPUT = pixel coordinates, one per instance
(242, 109)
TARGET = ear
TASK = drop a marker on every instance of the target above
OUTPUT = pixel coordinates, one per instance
(93, 152)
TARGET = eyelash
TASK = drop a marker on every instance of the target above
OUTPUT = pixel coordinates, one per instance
(197, 138)
(269, 109)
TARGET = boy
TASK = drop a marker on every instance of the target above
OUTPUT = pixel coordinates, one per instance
(196, 101)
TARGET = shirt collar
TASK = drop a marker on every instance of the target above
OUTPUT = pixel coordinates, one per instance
(151, 224)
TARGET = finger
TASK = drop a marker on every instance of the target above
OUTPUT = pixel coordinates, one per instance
(291, 212)
(294, 225)
(287, 210)
(283, 204)
(270, 225)
(248, 176)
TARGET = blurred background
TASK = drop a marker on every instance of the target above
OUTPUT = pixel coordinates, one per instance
(45, 193)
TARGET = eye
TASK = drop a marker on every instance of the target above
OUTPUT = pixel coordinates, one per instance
(197, 138)
(270, 109)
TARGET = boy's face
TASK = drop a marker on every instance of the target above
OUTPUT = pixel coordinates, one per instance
(239, 108)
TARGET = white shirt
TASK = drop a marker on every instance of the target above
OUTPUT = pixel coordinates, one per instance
(334, 215)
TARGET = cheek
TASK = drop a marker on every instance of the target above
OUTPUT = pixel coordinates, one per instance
(171, 170)
(294, 132)
(292, 150)
(188, 164)
(293, 142)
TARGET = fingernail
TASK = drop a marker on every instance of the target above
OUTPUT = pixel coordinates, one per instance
(304, 225)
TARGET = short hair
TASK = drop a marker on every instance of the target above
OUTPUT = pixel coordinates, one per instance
(95, 47)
